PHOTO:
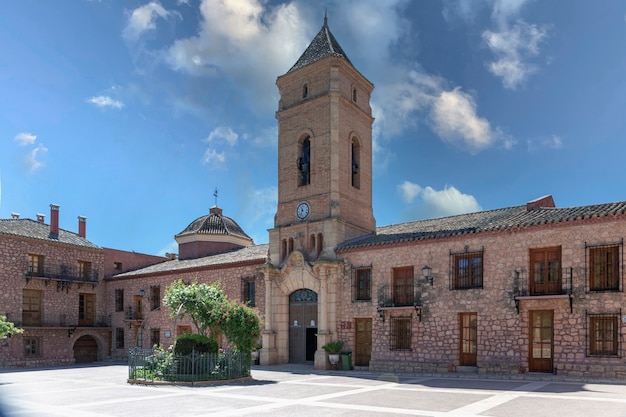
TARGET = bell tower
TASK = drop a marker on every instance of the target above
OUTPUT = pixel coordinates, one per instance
(324, 153)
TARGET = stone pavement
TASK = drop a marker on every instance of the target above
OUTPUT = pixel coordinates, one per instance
(295, 390)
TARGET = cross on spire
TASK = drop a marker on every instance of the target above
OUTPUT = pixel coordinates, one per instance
(215, 194)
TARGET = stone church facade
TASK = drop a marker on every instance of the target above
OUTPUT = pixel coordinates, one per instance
(529, 288)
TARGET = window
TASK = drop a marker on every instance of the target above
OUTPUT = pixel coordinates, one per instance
(356, 160)
(403, 288)
(354, 94)
(183, 329)
(304, 163)
(86, 307)
(545, 271)
(119, 299)
(400, 333)
(32, 347)
(604, 334)
(248, 291)
(117, 266)
(604, 267)
(31, 308)
(155, 337)
(84, 270)
(305, 91)
(35, 265)
(362, 283)
(467, 269)
(119, 338)
(155, 297)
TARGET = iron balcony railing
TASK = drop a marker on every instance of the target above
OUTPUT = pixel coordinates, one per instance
(395, 296)
(559, 285)
(62, 272)
(30, 319)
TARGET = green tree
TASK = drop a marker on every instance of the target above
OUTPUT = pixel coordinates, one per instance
(7, 328)
(209, 309)
(204, 304)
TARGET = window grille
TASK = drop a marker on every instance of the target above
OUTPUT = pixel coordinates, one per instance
(604, 266)
(119, 299)
(604, 334)
(400, 335)
(248, 290)
(361, 283)
(119, 338)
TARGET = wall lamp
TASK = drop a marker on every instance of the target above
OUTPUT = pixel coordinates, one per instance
(426, 273)
(142, 292)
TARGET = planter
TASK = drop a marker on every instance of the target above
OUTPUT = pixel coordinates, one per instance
(255, 355)
(333, 358)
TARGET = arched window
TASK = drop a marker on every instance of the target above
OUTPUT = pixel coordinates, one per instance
(356, 160)
(320, 244)
(290, 249)
(283, 249)
(354, 94)
(304, 163)
(305, 91)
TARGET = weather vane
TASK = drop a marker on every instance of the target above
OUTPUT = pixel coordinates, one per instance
(215, 194)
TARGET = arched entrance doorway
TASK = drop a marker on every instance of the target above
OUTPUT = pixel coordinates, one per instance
(302, 326)
(85, 350)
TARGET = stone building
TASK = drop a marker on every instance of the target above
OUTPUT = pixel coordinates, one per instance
(529, 288)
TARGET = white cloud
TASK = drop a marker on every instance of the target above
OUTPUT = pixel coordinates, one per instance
(409, 191)
(513, 48)
(551, 142)
(260, 208)
(223, 134)
(214, 158)
(455, 120)
(24, 138)
(246, 42)
(105, 101)
(143, 19)
(32, 159)
(172, 247)
(437, 203)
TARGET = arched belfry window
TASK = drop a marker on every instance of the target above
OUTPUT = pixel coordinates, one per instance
(355, 165)
(304, 163)
(305, 91)
(354, 94)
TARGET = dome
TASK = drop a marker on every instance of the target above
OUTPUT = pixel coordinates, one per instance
(211, 234)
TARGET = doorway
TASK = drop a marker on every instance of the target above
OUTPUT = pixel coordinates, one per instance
(541, 341)
(302, 326)
(363, 345)
(469, 339)
(85, 350)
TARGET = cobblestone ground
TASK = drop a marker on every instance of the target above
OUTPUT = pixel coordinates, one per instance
(293, 390)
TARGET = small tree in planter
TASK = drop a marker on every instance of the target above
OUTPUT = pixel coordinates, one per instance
(333, 349)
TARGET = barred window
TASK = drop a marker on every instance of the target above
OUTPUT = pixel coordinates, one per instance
(119, 299)
(603, 334)
(119, 338)
(400, 337)
(31, 307)
(248, 291)
(466, 269)
(603, 266)
(35, 264)
(362, 283)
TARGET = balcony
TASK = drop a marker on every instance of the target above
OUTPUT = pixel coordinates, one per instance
(62, 273)
(399, 298)
(527, 289)
(31, 319)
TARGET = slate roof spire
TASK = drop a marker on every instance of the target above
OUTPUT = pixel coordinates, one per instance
(322, 46)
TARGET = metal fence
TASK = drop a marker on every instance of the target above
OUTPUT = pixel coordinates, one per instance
(158, 365)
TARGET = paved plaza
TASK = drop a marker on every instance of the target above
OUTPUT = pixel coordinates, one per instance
(293, 390)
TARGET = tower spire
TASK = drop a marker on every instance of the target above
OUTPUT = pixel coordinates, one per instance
(325, 17)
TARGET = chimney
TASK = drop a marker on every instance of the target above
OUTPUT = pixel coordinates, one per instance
(82, 226)
(15, 215)
(41, 218)
(54, 220)
(542, 202)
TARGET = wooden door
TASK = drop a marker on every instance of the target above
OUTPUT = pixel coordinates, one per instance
(469, 339)
(302, 326)
(138, 307)
(546, 271)
(541, 341)
(363, 345)
(86, 309)
(403, 286)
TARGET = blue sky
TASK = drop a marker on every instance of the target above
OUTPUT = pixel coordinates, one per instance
(131, 113)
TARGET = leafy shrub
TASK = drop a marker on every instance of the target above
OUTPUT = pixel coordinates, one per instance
(187, 343)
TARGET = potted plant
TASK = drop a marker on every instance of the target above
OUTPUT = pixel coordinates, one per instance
(333, 349)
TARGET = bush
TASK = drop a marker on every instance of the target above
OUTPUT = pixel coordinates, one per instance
(187, 343)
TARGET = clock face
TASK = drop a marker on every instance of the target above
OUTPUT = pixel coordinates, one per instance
(303, 210)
